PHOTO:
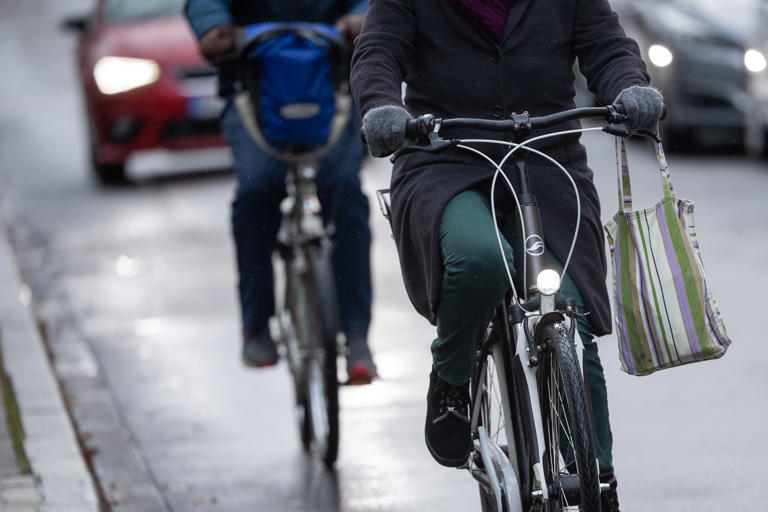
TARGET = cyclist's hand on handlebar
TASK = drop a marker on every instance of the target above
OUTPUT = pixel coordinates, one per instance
(384, 129)
(350, 25)
(221, 40)
(643, 106)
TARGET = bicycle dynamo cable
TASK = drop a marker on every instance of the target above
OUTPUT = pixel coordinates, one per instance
(500, 172)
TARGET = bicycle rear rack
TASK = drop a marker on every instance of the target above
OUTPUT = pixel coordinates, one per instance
(384, 205)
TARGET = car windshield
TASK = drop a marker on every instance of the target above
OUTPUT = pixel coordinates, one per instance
(739, 16)
(122, 10)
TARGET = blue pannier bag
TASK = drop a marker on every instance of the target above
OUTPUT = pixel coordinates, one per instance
(292, 74)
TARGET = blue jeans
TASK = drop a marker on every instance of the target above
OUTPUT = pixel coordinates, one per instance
(256, 220)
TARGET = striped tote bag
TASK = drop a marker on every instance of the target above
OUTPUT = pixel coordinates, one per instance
(666, 315)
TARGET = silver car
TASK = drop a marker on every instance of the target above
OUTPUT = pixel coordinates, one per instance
(698, 54)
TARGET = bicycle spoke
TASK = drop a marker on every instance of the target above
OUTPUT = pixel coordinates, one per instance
(555, 421)
(495, 413)
(558, 409)
(566, 429)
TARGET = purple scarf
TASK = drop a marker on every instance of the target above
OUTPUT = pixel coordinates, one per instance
(488, 16)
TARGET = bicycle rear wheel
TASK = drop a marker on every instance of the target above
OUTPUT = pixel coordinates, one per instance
(570, 461)
(311, 298)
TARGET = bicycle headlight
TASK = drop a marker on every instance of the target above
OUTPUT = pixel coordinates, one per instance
(754, 60)
(548, 282)
(114, 75)
(660, 55)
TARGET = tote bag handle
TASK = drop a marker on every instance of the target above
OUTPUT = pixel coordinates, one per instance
(625, 186)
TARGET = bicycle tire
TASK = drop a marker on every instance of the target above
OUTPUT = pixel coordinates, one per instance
(320, 369)
(569, 441)
(293, 341)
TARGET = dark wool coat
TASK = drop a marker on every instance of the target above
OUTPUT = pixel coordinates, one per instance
(452, 70)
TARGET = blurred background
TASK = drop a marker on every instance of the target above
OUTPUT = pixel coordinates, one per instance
(115, 194)
(709, 59)
(145, 85)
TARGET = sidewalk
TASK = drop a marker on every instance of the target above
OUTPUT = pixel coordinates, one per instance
(57, 479)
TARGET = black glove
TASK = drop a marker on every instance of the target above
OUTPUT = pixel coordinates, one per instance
(384, 129)
(643, 106)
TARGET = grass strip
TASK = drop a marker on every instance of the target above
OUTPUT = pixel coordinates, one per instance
(13, 418)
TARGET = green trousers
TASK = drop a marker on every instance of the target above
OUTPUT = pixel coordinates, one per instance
(474, 282)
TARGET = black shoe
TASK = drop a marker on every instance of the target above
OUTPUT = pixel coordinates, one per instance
(259, 350)
(447, 430)
(360, 366)
(609, 499)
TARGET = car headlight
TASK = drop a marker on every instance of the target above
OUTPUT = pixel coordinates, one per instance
(754, 60)
(660, 55)
(548, 282)
(114, 75)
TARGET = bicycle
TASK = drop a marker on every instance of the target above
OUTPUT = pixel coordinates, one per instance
(534, 445)
(306, 324)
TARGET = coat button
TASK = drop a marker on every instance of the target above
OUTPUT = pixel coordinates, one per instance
(497, 111)
(495, 58)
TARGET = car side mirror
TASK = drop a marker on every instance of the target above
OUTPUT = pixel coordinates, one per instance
(79, 24)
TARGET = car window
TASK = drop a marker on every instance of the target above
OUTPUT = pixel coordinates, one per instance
(121, 10)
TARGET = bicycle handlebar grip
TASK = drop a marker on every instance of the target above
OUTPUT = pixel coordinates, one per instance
(412, 129)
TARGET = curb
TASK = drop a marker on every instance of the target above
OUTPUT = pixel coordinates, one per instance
(50, 442)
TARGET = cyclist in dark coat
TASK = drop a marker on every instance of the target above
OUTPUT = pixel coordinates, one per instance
(261, 186)
(488, 59)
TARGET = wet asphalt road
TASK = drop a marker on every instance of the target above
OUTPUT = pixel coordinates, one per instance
(135, 288)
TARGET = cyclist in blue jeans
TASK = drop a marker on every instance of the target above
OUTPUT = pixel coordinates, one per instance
(261, 186)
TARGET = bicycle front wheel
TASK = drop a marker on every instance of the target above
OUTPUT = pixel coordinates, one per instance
(315, 314)
(570, 462)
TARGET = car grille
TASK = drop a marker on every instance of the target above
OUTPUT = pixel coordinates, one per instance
(701, 60)
(710, 75)
(190, 128)
(196, 72)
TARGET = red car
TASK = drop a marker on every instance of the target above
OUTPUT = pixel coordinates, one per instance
(145, 83)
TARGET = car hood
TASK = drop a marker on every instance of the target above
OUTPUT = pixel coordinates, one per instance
(168, 40)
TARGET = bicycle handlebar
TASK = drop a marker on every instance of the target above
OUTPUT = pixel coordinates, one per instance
(251, 36)
(421, 127)
(424, 130)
